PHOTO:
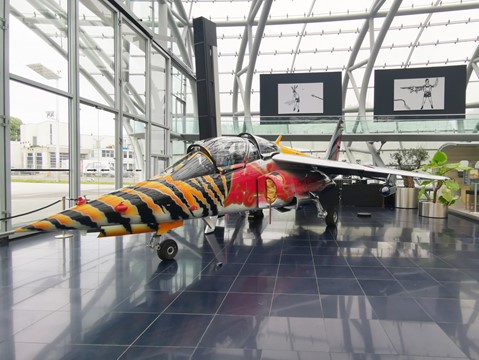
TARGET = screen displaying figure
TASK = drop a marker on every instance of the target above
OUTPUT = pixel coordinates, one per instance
(303, 98)
(427, 90)
(419, 94)
(296, 99)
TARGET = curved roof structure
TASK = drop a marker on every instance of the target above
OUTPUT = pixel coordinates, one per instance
(354, 37)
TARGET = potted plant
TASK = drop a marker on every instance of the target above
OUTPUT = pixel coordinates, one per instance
(444, 192)
(408, 159)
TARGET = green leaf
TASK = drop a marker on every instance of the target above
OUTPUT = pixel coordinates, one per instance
(452, 185)
(447, 197)
(422, 193)
(439, 158)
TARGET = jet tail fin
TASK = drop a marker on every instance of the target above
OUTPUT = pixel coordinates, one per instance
(335, 143)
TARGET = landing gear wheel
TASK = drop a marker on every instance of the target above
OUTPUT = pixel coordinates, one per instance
(168, 249)
(332, 217)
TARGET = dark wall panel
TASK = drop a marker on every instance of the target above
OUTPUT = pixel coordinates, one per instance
(205, 40)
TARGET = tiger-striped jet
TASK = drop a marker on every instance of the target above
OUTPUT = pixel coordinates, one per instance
(217, 176)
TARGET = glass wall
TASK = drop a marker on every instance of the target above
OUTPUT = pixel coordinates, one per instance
(119, 64)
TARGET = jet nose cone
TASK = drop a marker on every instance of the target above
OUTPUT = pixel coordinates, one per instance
(43, 225)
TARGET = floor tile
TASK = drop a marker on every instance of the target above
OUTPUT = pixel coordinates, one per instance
(290, 305)
(339, 287)
(255, 284)
(234, 332)
(157, 352)
(329, 260)
(346, 307)
(465, 336)
(363, 261)
(398, 308)
(201, 302)
(259, 270)
(296, 270)
(295, 334)
(291, 285)
(246, 304)
(371, 273)
(175, 330)
(225, 353)
(414, 338)
(357, 336)
(211, 283)
(334, 272)
(450, 310)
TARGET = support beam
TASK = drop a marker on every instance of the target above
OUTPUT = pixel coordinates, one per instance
(462, 6)
(254, 8)
(5, 178)
(367, 75)
(252, 61)
(74, 101)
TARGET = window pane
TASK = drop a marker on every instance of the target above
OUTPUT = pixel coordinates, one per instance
(39, 151)
(158, 165)
(178, 102)
(158, 87)
(97, 46)
(38, 42)
(133, 71)
(134, 145)
(158, 141)
(97, 148)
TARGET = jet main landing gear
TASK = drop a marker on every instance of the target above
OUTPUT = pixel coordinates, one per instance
(330, 216)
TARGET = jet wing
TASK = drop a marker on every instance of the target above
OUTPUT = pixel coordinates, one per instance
(332, 167)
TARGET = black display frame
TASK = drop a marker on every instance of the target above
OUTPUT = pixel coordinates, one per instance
(391, 90)
(270, 86)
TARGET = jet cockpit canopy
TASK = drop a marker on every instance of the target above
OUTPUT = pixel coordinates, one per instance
(221, 154)
(225, 150)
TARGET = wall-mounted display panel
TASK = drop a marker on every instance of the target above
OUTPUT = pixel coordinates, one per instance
(300, 95)
(425, 93)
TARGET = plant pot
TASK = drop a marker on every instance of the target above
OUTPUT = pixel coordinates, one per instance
(432, 210)
(406, 198)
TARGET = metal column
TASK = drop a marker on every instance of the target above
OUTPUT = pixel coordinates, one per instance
(5, 177)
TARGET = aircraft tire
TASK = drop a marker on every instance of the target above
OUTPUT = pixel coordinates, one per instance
(168, 249)
(332, 217)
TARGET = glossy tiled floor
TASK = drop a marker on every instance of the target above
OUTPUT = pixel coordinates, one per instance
(391, 286)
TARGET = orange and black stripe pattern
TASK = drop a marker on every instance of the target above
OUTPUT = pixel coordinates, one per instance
(150, 202)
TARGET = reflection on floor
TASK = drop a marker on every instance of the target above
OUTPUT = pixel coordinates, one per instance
(389, 286)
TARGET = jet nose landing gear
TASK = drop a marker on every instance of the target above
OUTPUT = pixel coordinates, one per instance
(166, 249)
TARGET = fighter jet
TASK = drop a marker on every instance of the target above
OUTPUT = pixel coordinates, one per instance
(217, 176)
